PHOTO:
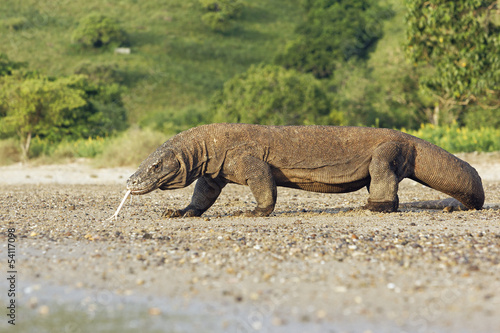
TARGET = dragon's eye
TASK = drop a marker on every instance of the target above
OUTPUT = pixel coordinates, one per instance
(157, 167)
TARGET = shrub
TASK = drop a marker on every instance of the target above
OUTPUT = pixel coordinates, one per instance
(99, 72)
(460, 139)
(14, 23)
(221, 13)
(36, 106)
(104, 113)
(217, 21)
(477, 117)
(97, 30)
(232, 8)
(59, 108)
(7, 65)
(272, 95)
(333, 32)
(88, 148)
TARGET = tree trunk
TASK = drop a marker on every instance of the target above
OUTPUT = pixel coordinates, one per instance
(435, 115)
(25, 147)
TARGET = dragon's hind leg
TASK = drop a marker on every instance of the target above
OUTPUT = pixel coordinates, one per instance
(384, 180)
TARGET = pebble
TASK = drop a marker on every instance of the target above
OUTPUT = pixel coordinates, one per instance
(154, 311)
(43, 310)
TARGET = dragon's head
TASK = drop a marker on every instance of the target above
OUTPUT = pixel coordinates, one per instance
(160, 169)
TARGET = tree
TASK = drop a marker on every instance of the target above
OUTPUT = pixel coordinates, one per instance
(7, 65)
(334, 31)
(36, 105)
(97, 30)
(103, 114)
(221, 13)
(272, 95)
(53, 108)
(456, 47)
(100, 72)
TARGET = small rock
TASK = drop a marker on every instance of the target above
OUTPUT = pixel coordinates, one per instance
(154, 311)
(340, 289)
(321, 314)
(32, 302)
(44, 310)
(254, 296)
(278, 321)
(122, 50)
(266, 276)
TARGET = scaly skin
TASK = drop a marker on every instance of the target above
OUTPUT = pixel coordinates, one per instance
(325, 159)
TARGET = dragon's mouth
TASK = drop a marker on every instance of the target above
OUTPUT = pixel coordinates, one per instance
(168, 181)
(141, 191)
(138, 189)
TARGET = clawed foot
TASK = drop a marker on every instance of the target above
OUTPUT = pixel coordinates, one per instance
(257, 212)
(171, 213)
(247, 213)
(168, 213)
(382, 207)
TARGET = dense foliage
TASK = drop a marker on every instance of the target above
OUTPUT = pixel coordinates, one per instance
(457, 139)
(36, 106)
(108, 72)
(458, 45)
(334, 31)
(7, 65)
(272, 95)
(56, 108)
(221, 13)
(15, 23)
(97, 30)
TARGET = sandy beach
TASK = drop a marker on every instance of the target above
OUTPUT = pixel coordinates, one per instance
(319, 263)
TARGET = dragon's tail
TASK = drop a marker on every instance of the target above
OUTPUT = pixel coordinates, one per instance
(442, 171)
(448, 204)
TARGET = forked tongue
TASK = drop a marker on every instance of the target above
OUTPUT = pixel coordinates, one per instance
(115, 215)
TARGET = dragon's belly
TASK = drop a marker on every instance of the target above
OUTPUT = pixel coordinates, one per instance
(325, 180)
(326, 188)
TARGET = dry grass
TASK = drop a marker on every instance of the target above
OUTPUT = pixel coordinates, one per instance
(130, 148)
(10, 152)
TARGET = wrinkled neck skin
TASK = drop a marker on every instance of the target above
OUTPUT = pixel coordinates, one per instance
(191, 151)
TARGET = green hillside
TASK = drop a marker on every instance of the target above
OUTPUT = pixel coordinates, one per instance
(176, 62)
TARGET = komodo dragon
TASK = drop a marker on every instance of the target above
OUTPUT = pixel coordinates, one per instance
(324, 159)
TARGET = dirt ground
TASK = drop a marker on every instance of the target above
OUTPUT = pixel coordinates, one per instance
(319, 263)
